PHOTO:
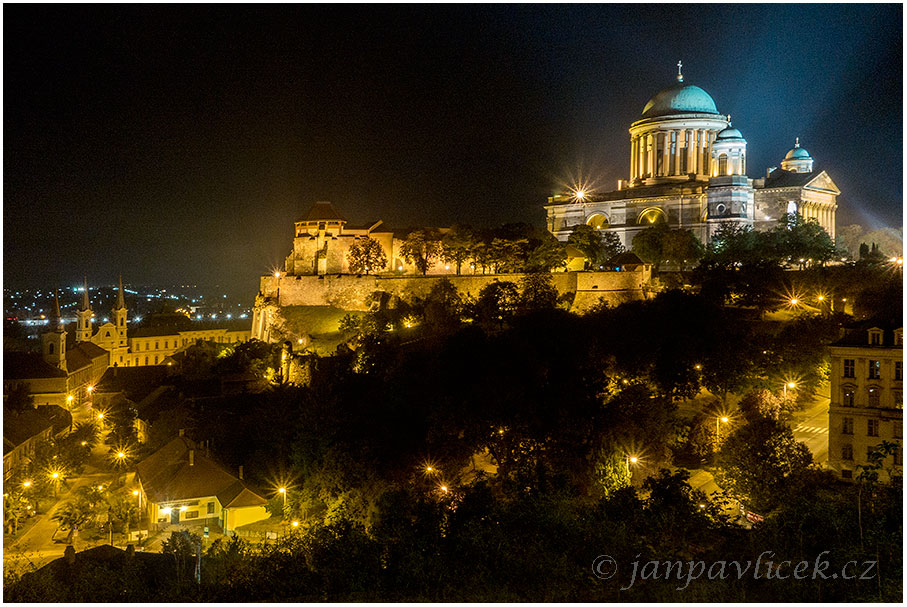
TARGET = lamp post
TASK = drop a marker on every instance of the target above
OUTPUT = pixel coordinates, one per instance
(790, 385)
(630, 460)
(718, 421)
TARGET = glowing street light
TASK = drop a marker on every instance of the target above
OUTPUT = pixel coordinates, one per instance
(283, 492)
(26, 484)
(580, 195)
(630, 460)
(718, 421)
(295, 523)
(790, 385)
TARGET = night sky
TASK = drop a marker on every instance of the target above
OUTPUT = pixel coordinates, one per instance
(178, 143)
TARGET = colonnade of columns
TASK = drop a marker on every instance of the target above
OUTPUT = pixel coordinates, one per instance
(693, 144)
(821, 212)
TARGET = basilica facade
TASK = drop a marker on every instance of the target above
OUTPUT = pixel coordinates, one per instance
(688, 170)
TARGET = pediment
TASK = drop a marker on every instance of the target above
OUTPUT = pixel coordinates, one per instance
(823, 183)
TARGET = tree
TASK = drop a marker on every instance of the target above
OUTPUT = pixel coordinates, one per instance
(497, 302)
(443, 306)
(365, 255)
(17, 397)
(611, 245)
(648, 244)
(589, 241)
(184, 547)
(421, 248)
(537, 292)
(549, 255)
(803, 241)
(457, 246)
(507, 255)
(71, 516)
(758, 461)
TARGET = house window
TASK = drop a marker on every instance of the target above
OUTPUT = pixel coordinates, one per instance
(166, 344)
(849, 368)
(872, 427)
(898, 429)
(847, 452)
(875, 338)
(847, 425)
(210, 507)
(848, 398)
(874, 397)
(898, 337)
(191, 514)
(157, 345)
(869, 451)
(146, 360)
(155, 359)
(898, 370)
(50, 348)
(875, 369)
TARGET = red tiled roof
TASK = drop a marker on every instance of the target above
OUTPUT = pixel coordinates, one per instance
(167, 476)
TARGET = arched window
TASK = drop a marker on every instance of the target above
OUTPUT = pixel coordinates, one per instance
(598, 221)
(50, 348)
(722, 165)
(652, 215)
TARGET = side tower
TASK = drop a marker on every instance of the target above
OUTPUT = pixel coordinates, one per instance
(730, 193)
(53, 342)
(119, 317)
(83, 317)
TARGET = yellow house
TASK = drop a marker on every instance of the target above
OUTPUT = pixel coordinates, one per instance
(180, 484)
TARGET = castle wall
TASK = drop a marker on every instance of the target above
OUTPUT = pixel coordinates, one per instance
(348, 292)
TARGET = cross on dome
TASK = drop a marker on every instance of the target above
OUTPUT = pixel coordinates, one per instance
(679, 72)
(797, 142)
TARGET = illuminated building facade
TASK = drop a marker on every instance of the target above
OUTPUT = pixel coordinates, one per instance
(688, 170)
(867, 407)
(142, 345)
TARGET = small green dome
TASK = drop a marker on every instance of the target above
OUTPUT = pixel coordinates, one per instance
(728, 134)
(680, 99)
(797, 153)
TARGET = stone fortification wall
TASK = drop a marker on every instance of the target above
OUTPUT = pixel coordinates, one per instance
(349, 292)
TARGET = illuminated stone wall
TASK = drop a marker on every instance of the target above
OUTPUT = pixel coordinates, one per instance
(349, 292)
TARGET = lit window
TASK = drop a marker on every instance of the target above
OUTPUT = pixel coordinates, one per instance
(848, 400)
(875, 369)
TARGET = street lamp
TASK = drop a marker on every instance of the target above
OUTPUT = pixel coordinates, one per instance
(283, 492)
(631, 460)
(790, 385)
(718, 421)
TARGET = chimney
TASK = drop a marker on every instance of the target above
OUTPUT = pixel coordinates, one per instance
(191, 457)
(240, 473)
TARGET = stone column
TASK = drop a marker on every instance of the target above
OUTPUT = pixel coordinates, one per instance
(651, 155)
(666, 153)
(690, 134)
(677, 141)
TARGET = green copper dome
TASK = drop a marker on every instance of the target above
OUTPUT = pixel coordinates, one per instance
(680, 99)
(797, 153)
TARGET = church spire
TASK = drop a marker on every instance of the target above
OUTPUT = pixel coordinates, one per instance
(56, 320)
(86, 303)
(121, 302)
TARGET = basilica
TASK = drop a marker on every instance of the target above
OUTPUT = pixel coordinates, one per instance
(688, 171)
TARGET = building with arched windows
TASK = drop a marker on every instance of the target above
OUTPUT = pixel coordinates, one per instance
(688, 170)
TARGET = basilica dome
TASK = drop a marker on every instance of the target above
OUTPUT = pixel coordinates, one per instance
(680, 99)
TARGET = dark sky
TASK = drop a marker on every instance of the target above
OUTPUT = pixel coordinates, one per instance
(179, 143)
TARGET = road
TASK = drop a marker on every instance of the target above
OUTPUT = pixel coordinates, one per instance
(810, 426)
(37, 546)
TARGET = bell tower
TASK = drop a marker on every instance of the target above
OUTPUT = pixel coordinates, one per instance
(53, 343)
(83, 316)
(119, 316)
